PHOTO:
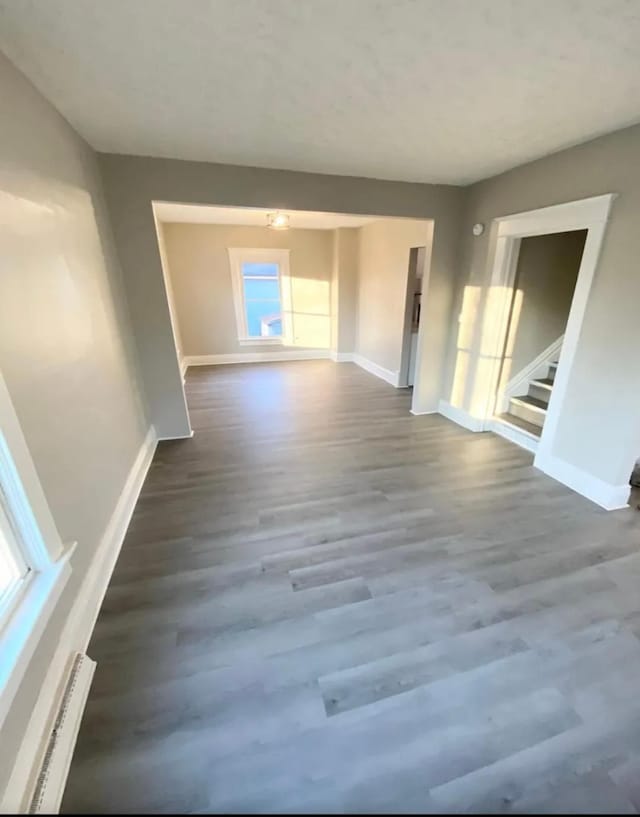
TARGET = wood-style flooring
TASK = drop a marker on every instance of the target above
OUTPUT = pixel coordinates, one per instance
(326, 604)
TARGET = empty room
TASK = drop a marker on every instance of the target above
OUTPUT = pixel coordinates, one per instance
(318, 406)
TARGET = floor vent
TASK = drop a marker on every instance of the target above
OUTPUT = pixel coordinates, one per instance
(49, 787)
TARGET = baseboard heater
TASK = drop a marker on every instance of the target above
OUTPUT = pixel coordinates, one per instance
(51, 779)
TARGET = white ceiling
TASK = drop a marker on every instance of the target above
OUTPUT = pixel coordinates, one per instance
(253, 216)
(418, 90)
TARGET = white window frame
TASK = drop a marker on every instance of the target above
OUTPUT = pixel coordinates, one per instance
(239, 256)
(26, 612)
(15, 557)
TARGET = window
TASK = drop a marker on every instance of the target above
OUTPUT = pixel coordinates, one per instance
(262, 306)
(259, 279)
(34, 565)
(13, 568)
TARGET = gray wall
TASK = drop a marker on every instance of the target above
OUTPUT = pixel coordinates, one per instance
(200, 276)
(66, 350)
(171, 300)
(545, 281)
(346, 248)
(599, 431)
(132, 183)
(382, 286)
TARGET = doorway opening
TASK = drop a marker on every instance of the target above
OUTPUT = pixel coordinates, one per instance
(490, 334)
(413, 305)
(336, 286)
(543, 288)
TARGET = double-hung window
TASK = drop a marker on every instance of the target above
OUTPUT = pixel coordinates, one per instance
(259, 280)
(34, 565)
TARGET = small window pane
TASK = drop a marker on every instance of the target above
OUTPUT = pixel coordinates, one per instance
(8, 571)
(261, 270)
(12, 568)
(261, 289)
(264, 319)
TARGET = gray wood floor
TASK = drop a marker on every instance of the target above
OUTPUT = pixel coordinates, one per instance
(324, 603)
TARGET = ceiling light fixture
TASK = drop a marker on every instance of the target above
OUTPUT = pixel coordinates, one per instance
(278, 221)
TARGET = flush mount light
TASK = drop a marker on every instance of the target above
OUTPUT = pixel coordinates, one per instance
(478, 229)
(278, 221)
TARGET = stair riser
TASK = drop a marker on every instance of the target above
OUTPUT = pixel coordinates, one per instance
(525, 413)
(540, 393)
(552, 372)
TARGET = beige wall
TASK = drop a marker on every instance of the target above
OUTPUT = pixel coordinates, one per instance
(545, 281)
(382, 285)
(132, 183)
(198, 264)
(334, 291)
(345, 288)
(66, 350)
(598, 431)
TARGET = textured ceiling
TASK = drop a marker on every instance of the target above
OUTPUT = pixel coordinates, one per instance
(417, 90)
(253, 216)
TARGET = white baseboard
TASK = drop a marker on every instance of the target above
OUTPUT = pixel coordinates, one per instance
(610, 497)
(422, 413)
(379, 371)
(182, 437)
(257, 357)
(515, 435)
(341, 357)
(460, 416)
(75, 635)
(294, 354)
(183, 368)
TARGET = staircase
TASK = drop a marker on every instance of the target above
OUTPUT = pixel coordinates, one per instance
(527, 412)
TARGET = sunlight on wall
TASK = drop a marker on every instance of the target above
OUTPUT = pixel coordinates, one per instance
(491, 349)
(309, 312)
(477, 375)
(468, 314)
(505, 374)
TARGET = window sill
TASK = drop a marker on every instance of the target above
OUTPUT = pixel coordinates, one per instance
(260, 341)
(22, 632)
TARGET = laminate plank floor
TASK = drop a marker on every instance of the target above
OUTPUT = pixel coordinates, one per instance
(326, 604)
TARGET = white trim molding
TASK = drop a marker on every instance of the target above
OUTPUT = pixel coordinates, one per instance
(257, 357)
(242, 255)
(390, 377)
(268, 341)
(75, 634)
(21, 484)
(514, 434)
(42, 562)
(94, 587)
(459, 416)
(25, 628)
(295, 354)
(557, 218)
(586, 273)
(341, 357)
(589, 214)
(610, 497)
(182, 437)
